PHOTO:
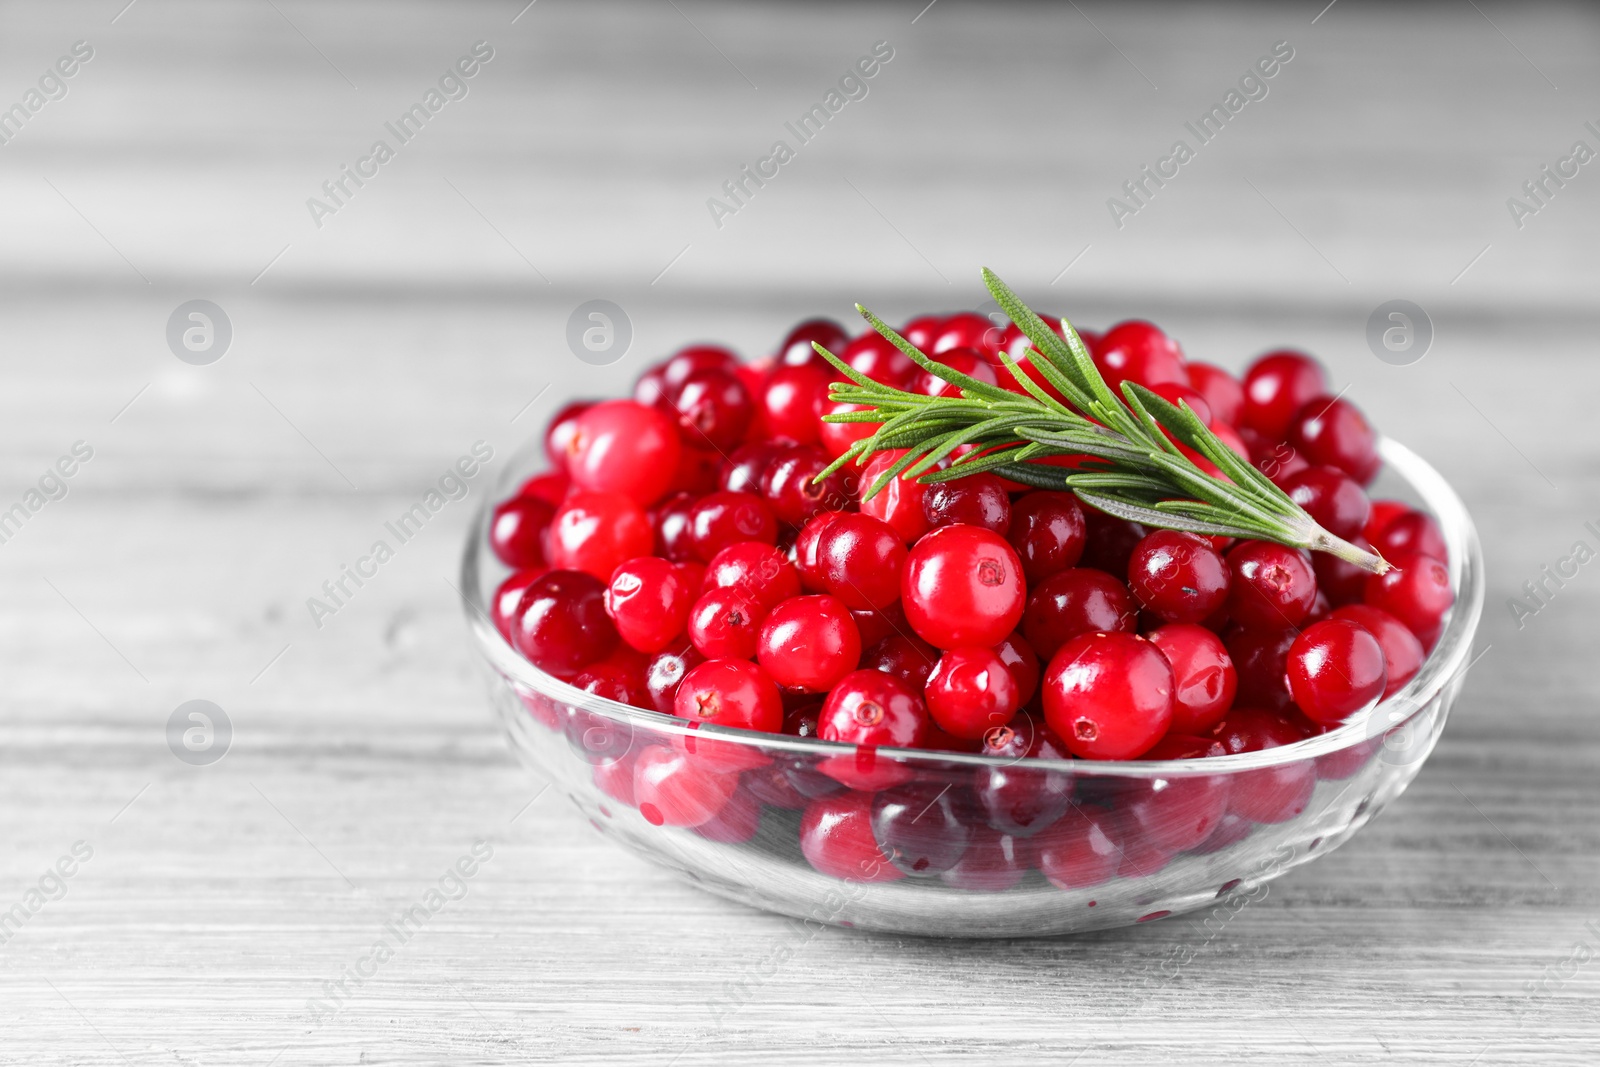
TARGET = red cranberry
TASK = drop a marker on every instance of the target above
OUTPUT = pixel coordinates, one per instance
(725, 624)
(1383, 513)
(674, 533)
(1138, 351)
(742, 473)
(1186, 746)
(1276, 387)
(1335, 670)
(754, 568)
(1076, 601)
(1261, 659)
(621, 446)
(789, 486)
(649, 601)
(876, 357)
(1108, 541)
(730, 692)
(962, 360)
(1339, 581)
(596, 532)
(562, 428)
(738, 821)
(970, 692)
(1204, 681)
(836, 838)
(1023, 663)
(507, 598)
(976, 500)
(900, 502)
(838, 437)
(1177, 814)
(1332, 498)
(963, 586)
(613, 681)
(793, 399)
(874, 708)
(1047, 530)
(1080, 850)
(722, 519)
(1108, 695)
(699, 472)
(713, 411)
(561, 624)
(1417, 591)
(1020, 797)
(879, 623)
(806, 557)
(920, 827)
(796, 350)
(909, 658)
(614, 778)
(550, 487)
(1178, 576)
(1178, 395)
(809, 642)
(861, 560)
(1223, 393)
(671, 790)
(1332, 432)
(1411, 532)
(665, 673)
(1402, 652)
(1278, 461)
(1270, 794)
(922, 330)
(964, 329)
(992, 863)
(1272, 585)
(691, 360)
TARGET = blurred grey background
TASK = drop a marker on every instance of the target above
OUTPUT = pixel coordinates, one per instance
(430, 310)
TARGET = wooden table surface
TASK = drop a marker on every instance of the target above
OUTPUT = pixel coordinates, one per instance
(430, 311)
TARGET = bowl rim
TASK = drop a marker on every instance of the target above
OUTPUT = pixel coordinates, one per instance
(1449, 658)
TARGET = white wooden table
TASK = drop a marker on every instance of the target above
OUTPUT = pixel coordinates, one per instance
(429, 312)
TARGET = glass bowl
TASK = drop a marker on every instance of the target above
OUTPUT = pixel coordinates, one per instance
(1092, 844)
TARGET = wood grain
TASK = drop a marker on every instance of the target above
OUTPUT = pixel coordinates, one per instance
(377, 349)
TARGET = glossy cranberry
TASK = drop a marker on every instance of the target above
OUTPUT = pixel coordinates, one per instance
(874, 708)
(665, 673)
(613, 681)
(992, 863)
(1108, 542)
(1020, 797)
(1139, 351)
(1076, 601)
(712, 410)
(745, 466)
(1081, 849)
(561, 624)
(1278, 461)
(699, 472)
(508, 598)
(964, 329)
(1383, 513)
(876, 357)
(1249, 729)
(622, 446)
(756, 569)
(922, 330)
(1261, 660)
(726, 623)
(837, 437)
(692, 359)
(674, 533)
(806, 558)
(962, 586)
(907, 657)
(1402, 652)
(1330, 431)
(1411, 532)
(861, 560)
(1176, 813)
(560, 431)
(836, 838)
(970, 692)
(792, 401)
(922, 826)
(649, 600)
(1270, 794)
(976, 500)
(551, 487)
(1178, 576)
(1417, 591)
(790, 487)
(596, 532)
(730, 692)
(875, 624)
(1335, 670)
(1178, 395)
(1186, 746)
(1276, 386)
(1023, 663)
(721, 519)
(1222, 392)
(1339, 581)
(809, 642)
(900, 502)
(1108, 695)
(614, 777)
(796, 348)
(672, 790)
(966, 361)
(1204, 681)
(738, 822)
(1047, 529)
(1332, 498)
(1271, 585)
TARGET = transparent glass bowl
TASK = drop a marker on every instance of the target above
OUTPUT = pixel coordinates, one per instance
(1134, 841)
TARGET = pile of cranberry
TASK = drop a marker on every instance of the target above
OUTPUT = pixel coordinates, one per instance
(681, 557)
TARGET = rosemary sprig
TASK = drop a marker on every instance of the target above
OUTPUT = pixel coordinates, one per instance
(1133, 470)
